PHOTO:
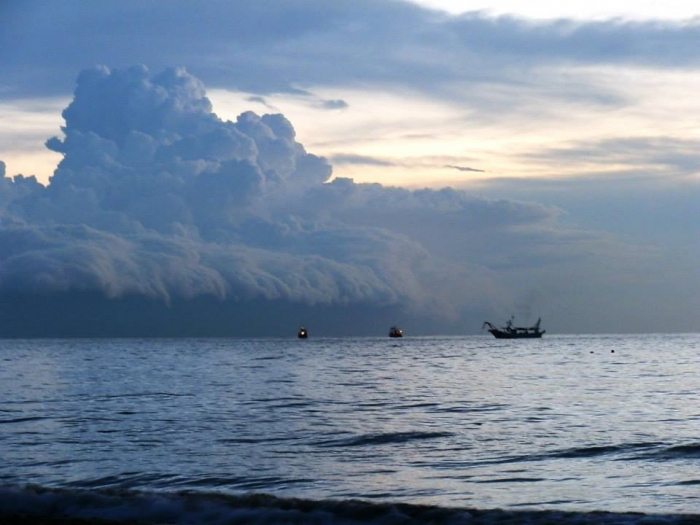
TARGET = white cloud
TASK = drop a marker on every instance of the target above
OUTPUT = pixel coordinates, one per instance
(595, 9)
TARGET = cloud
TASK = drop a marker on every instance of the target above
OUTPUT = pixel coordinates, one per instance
(159, 204)
(464, 168)
(353, 63)
(281, 46)
(263, 101)
(334, 104)
(360, 160)
(157, 197)
(660, 157)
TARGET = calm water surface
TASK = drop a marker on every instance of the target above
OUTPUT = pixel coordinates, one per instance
(567, 422)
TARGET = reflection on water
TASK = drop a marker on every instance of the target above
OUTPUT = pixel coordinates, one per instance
(575, 422)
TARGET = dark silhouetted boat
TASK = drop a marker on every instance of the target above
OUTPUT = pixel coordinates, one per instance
(515, 332)
(395, 332)
(303, 333)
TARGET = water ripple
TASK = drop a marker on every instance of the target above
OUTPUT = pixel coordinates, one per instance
(390, 438)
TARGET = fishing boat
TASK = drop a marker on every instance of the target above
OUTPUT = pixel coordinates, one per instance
(515, 332)
(395, 332)
(303, 333)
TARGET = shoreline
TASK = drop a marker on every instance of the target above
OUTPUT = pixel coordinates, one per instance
(470, 517)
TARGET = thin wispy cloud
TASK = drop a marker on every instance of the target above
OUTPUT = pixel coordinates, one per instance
(334, 104)
(262, 101)
(361, 160)
(464, 168)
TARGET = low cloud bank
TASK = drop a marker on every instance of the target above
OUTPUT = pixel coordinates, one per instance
(157, 200)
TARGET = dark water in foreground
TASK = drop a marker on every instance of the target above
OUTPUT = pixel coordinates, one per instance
(219, 430)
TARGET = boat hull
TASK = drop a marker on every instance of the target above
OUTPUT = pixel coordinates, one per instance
(395, 332)
(498, 334)
(515, 332)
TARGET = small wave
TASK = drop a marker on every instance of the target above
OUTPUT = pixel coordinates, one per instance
(470, 409)
(21, 420)
(510, 480)
(20, 505)
(243, 483)
(254, 440)
(624, 451)
(587, 452)
(292, 404)
(621, 449)
(389, 438)
(420, 405)
(688, 482)
(647, 451)
(684, 451)
(153, 395)
(673, 452)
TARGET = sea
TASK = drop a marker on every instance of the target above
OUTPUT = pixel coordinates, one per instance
(564, 429)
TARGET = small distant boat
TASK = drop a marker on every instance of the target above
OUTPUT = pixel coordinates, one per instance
(515, 332)
(303, 333)
(395, 332)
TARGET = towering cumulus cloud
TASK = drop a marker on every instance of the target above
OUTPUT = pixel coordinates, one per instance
(159, 205)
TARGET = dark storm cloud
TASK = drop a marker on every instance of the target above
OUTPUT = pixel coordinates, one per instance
(156, 197)
(158, 204)
(281, 45)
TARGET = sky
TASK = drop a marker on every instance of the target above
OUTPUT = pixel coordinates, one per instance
(237, 168)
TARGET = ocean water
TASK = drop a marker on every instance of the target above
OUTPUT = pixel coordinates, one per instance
(586, 429)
